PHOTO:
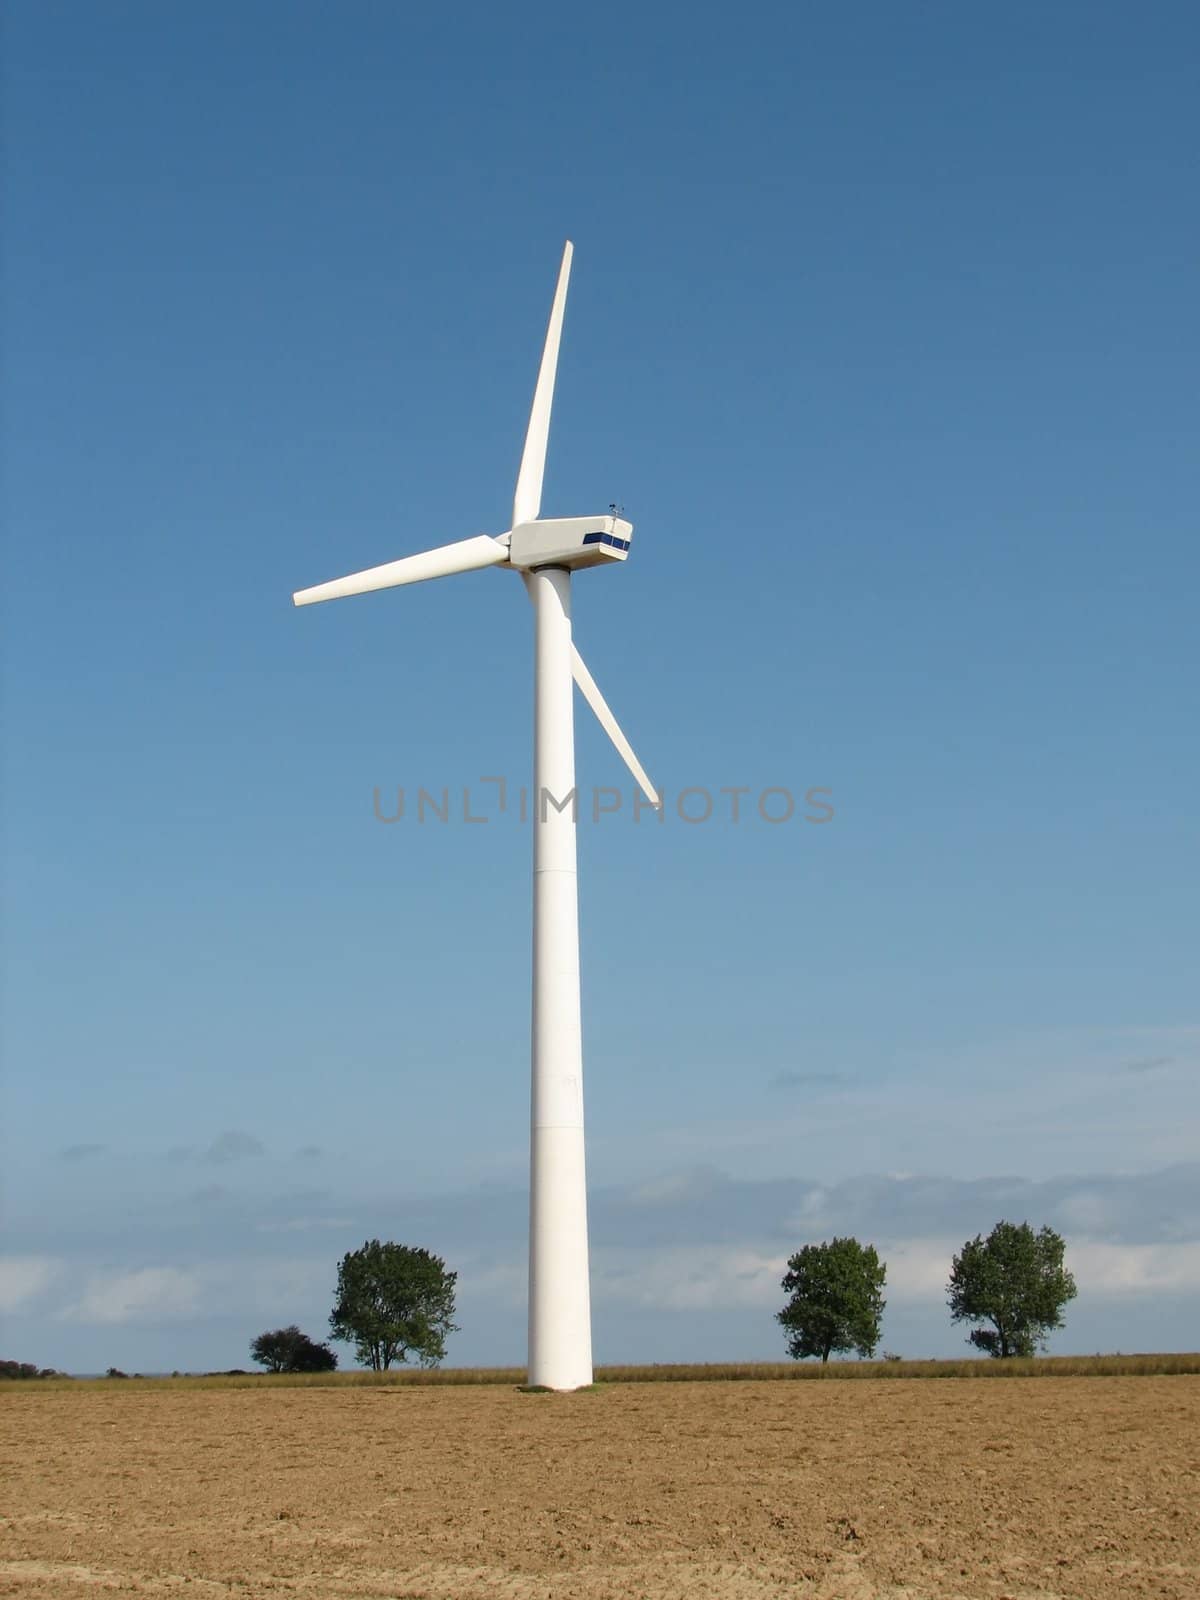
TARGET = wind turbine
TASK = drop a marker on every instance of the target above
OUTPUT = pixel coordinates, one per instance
(545, 552)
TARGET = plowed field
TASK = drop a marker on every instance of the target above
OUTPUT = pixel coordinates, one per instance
(897, 1490)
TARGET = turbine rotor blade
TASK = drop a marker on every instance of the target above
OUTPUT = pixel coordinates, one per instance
(444, 562)
(608, 722)
(527, 501)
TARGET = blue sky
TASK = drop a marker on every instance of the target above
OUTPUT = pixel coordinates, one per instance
(883, 328)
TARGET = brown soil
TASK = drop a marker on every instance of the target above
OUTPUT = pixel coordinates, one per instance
(897, 1490)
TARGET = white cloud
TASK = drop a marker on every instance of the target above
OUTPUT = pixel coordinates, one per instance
(917, 1269)
(149, 1294)
(1089, 1210)
(812, 1208)
(679, 1260)
(505, 1281)
(156, 1294)
(24, 1279)
(1116, 1269)
(689, 1278)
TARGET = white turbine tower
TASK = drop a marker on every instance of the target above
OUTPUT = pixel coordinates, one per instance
(545, 553)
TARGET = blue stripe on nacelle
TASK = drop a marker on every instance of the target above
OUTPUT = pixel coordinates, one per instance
(606, 538)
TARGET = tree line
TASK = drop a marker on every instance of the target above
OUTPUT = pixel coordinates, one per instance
(1013, 1286)
(394, 1302)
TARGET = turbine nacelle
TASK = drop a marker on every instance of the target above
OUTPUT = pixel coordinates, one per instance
(570, 542)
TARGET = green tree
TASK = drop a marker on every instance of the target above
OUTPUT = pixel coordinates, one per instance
(26, 1369)
(393, 1301)
(289, 1350)
(836, 1300)
(1016, 1281)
